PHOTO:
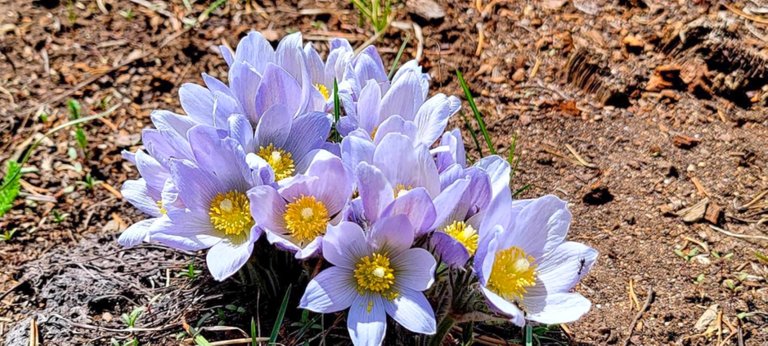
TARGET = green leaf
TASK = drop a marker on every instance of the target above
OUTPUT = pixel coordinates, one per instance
(10, 187)
(336, 111)
(476, 112)
(472, 133)
(280, 316)
(397, 58)
(254, 337)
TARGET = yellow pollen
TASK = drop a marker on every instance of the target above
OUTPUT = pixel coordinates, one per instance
(464, 234)
(306, 218)
(323, 91)
(512, 273)
(230, 213)
(373, 133)
(400, 189)
(280, 160)
(162, 207)
(374, 275)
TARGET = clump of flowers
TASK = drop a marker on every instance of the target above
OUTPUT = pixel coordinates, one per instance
(380, 197)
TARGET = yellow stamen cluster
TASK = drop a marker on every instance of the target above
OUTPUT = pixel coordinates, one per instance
(162, 208)
(464, 234)
(375, 275)
(400, 189)
(512, 273)
(280, 160)
(306, 218)
(323, 91)
(230, 213)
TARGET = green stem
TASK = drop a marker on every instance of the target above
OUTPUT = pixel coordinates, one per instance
(443, 329)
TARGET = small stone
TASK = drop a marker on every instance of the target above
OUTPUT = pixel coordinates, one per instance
(519, 75)
(426, 9)
(713, 214)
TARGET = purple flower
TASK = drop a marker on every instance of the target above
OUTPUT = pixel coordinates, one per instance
(453, 151)
(261, 77)
(403, 108)
(296, 215)
(217, 210)
(525, 267)
(394, 177)
(374, 274)
(285, 143)
(460, 208)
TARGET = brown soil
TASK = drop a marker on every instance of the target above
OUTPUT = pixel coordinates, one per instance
(631, 112)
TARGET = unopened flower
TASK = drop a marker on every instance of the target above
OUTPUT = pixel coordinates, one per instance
(374, 274)
(217, 210)
(525, 267)
(296, 215)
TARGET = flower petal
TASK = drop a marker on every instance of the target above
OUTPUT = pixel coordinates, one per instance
(403, 98)
(563, 268)
(374, 189)
(540, 226)
(392, 234)
(136, 233)
(308, 133)
(186, 231)
(417, 206)
(412, 310)
(245, 81)
(367, 320)
(255, 50)
(267, 208)
(415, 269)
(330, 291)
(432, 117)
(274, 127)
(508, 308)
(556, 308)
(226, 258)
(278, 87)
(345, 244)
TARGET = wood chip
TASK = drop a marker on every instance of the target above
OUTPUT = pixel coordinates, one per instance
(426, 9)
(694, 213)
(713, 214)
(685, 142)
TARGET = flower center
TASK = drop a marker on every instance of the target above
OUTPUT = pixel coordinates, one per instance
(231, 213)
(306, 218)
(464, 234)
(400, 189)
(162, 207)
(512, 273)
(375, 275)
(279, 159)
(323, 91)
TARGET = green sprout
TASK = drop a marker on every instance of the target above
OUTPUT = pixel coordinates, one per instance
(75, 114)
(376, 11)
(191, 273)
(7, 234)
(90, 182)
(59, 217)
(127, 14)
(130, 319)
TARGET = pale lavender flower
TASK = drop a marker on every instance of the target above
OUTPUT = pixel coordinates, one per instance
(525, 267)
(374, 274)
(296, 215)
(213, 190)
(286, 143)
(403, 108)
(395, 176)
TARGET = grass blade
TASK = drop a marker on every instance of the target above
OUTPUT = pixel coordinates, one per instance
(397, 58)
(336, 111)
(521, 190)
(254, 336)
(476, 112)
(280, 316)
(472, 133)
(11, 187)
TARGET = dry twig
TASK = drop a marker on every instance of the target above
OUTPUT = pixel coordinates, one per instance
(648, 301)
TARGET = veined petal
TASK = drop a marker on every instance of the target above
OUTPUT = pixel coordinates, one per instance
(403, 98)
(330, 291)
(432, 117)
(255, 50)
(274, 127)
(226, 258)
(392, 234)
(412, 310)
(267, 208)
(185, 231)
(136, 233)
(375, 191)
(508, 308)
(344, 244)
(563, 268)
(245, 81)
(367, 320)
(556, 308)
(278, 87)
(417, 206)
(541, 225)
(415, 269)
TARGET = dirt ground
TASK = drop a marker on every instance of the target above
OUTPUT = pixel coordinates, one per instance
(648, 117)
